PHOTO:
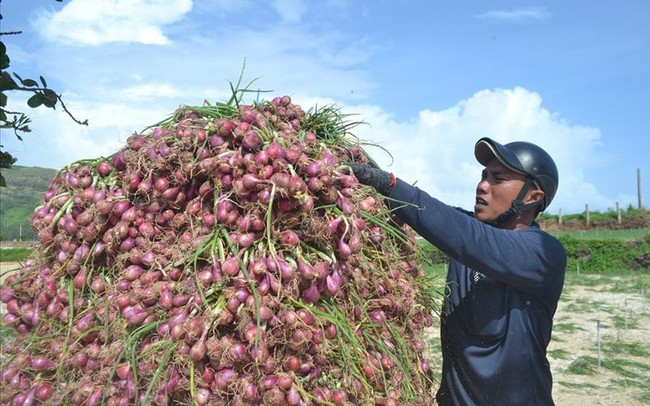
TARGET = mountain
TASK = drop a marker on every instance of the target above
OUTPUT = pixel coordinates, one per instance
(24, 192)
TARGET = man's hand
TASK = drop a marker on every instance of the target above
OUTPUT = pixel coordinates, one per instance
(381, 180)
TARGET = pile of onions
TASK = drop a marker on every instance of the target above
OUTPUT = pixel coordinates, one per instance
(223, 256)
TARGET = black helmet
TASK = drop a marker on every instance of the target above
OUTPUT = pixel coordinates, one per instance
(525, 158)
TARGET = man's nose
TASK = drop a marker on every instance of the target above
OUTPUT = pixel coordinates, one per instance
(482, 186)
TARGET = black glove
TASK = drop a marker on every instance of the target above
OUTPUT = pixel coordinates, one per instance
(381, 180)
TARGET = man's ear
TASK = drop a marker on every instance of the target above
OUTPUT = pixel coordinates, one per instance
(534, 196)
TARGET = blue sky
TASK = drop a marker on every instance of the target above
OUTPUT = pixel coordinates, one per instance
(428, 77)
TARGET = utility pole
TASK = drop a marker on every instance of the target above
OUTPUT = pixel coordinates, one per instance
(638, 187)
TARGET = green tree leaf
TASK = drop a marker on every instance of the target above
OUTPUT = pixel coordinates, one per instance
(4, 61)
(29, 83)
(35, 101)
(4, 58)
(6, 82)
(6, 159)
(18, 76)
(50, 98)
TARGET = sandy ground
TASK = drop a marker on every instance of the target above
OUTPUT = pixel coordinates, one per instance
(599, 308)
(581, 307)
(4, 267)
(596, 303)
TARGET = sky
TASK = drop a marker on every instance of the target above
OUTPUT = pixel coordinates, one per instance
(428, 78)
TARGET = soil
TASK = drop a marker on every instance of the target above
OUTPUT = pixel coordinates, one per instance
(598, 311)
(4, 268)
(580, 310)
(584, 308)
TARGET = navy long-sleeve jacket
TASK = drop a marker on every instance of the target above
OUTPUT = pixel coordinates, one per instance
(502, 292)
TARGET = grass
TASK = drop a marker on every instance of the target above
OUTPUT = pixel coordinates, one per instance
(583, 366)
(565, 328)
(585, 305)
(636, 284)
(629, 369)
(635, 349)
(14, 254)
(578, 385)
(559, 354)
(630, 234)
(6, 334)
(622, 324)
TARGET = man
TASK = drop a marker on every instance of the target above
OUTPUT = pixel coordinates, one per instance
(504, 279)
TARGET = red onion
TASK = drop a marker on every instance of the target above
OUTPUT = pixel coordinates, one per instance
(179, 318)
(224, 378)
(80, 278)
(293, 397)
(306, 316)
(238, 351)
(8, 372)
(198, 350)
(275, 151)
(6, 294)
(332, 284)
(42, 363)
(133, 272)
(377, 316)
(202, 396)
(134, 315)
(85, 322)
(79, 360)
(344, 249)
(250, 392)
(230, 266)
(273, 396)
(180, 299)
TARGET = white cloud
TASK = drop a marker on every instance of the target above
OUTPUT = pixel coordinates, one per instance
(435, 151)
(96, 22)
(517, 15)
(149, 91)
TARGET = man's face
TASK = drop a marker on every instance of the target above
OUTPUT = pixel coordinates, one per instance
(498, 187)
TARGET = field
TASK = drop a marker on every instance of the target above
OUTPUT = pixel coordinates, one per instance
(617, 308)
(605, 234)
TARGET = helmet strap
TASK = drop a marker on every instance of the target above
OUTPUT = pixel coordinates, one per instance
(518, 206)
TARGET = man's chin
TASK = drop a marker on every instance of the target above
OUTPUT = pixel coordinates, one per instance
(482, 217)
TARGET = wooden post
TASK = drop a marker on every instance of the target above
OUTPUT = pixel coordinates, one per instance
(559, 217)
(618, 213)
(587, 212)
(598, 339)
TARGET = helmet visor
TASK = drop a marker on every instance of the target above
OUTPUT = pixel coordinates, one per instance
(487, 149)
